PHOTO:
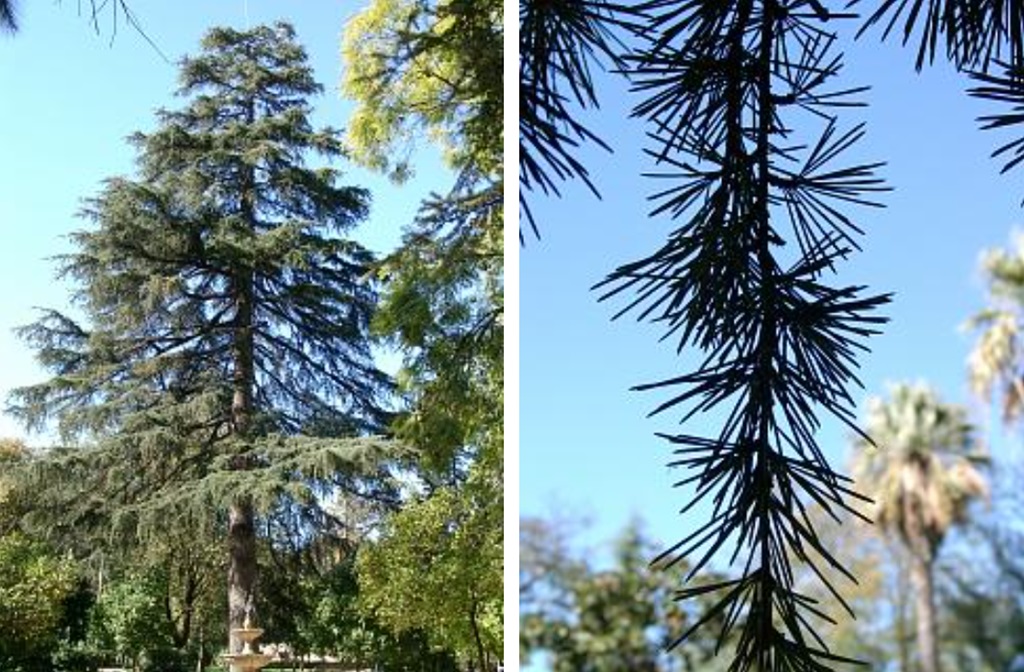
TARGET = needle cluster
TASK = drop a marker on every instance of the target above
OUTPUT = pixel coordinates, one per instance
(746, 280)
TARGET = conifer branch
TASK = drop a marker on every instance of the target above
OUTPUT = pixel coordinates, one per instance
(778, 343)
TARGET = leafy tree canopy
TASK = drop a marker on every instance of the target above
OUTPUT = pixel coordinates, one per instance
(426, 66)
(33, 587)
(438, 569)
(593, 618)
(434, 68)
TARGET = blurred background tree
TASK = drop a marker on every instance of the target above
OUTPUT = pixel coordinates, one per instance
(923, 470)
(593, 616)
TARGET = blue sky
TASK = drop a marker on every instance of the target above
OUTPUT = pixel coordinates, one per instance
(70, 98)
(586, 448)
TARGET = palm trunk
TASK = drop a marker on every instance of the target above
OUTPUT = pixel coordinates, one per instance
(927, 646)
(903, 636)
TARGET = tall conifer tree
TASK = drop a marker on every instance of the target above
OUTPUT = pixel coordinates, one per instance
(222, 363)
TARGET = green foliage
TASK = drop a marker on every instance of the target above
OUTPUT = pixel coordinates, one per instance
(146, 620)
(443, 307)
(223, 357)
(317, 610)
(129, 618)
(438, 568)
(34, 585)
(590, 618)
(981, 593)
(435, 67)
(438, 65)
(13, 497)
(78, 656)
(224, 207)
(426, 66)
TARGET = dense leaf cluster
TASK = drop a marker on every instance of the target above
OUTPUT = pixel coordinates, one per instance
(436, 67)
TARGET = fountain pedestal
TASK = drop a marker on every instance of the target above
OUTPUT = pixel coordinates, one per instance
(247, 660)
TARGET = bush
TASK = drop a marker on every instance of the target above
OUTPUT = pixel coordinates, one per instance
(168, 660)
(76, 657)
(34, 584)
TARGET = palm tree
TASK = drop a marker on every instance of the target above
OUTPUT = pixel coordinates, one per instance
(922, 475)
(997, 361)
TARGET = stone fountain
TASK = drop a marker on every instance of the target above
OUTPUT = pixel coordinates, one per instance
(247, 660)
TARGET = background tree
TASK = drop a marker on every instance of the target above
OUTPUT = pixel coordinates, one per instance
(318, 610)
(129, 620)
(594, 618)
(924, 475)
(34, 583)
(996, 363)
(434, 69)
(981, 589)
(872, 636)
(223, 365)
(434, 571)
(13, 500)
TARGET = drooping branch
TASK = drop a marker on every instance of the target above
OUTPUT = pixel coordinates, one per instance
(778, 343)
(560, 42)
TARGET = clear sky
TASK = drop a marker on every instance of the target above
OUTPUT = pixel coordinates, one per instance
(70, 98)
(586, 447)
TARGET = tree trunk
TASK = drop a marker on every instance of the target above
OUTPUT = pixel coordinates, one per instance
(241, 566)
(921, 576)
(903, 636)
(481, 655)
(242, 569)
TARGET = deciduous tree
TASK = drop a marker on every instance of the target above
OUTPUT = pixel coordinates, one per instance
(594, 616)
(33, 586)
(417, 68)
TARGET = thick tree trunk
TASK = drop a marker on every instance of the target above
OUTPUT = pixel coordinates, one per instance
(921, 576)
(241, 565)
(241, 517)
(242, 568)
